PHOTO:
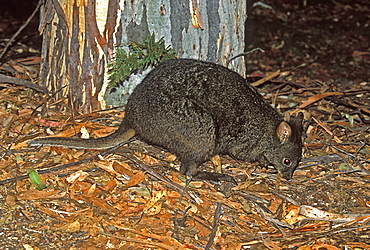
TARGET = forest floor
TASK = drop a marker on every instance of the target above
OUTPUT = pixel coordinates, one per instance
(129, 197)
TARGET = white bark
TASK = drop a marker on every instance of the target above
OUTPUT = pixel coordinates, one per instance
(222, 36)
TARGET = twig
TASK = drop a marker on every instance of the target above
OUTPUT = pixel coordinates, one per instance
(327, 130)
(243, 54)
(160, 177)
(270, 218)
(20, 29)
(141, 242)
(355, 159)
(49, 170)
(349, 104)
(216, 220)
(21, 82)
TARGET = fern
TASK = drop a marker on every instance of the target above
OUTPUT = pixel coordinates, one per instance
(140, 56)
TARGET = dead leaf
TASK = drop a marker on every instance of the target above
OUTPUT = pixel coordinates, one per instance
(265, 79)
(110, 185)
(84, 133)
(10, 200)
(293, 215)
(269, 244)
(137, 178)
(315, 98)
(49, 123)
(147, 159)
(317, 214)
(77, 176)
(122, 168)
(318, 246)
(34, 194)
(91, 190)
(74, 226)
(154, 205)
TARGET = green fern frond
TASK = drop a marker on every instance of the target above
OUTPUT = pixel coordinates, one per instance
(140, 56)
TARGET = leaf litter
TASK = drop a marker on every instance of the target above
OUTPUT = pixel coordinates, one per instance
(132, 197)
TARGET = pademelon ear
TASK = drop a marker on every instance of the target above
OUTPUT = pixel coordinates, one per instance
(284, 131)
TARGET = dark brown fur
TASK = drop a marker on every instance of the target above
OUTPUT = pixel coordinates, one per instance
(197, 110)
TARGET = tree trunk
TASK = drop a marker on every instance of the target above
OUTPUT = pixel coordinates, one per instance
(75, 51)
(79, 38)
(211, 30)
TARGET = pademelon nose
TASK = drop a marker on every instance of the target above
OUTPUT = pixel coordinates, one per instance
(287, 174)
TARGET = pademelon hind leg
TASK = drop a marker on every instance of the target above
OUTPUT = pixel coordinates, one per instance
(189, 134)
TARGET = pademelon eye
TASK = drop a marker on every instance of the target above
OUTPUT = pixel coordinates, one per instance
(287, 162)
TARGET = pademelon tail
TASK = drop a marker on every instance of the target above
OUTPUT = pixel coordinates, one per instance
(106, 142)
